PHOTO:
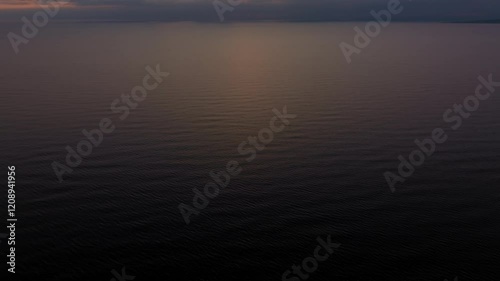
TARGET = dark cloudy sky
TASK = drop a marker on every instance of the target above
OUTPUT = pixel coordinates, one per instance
(291, 10)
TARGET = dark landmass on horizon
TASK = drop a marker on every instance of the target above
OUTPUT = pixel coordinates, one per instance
(479, 21)
(256, 21)
(456, 11)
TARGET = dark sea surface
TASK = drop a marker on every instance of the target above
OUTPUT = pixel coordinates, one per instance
(322, 175)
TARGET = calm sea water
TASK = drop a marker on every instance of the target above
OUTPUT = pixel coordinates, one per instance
(322, 176)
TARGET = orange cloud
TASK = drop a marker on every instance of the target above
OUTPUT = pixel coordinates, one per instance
(29, 4)
(19, 4)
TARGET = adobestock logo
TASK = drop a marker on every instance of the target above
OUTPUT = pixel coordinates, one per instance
(455, 116)
(372, 29)
(221, 179)
(221, 7)
(121, 277)
(94, 137)
(39, 19)
(310, 264)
